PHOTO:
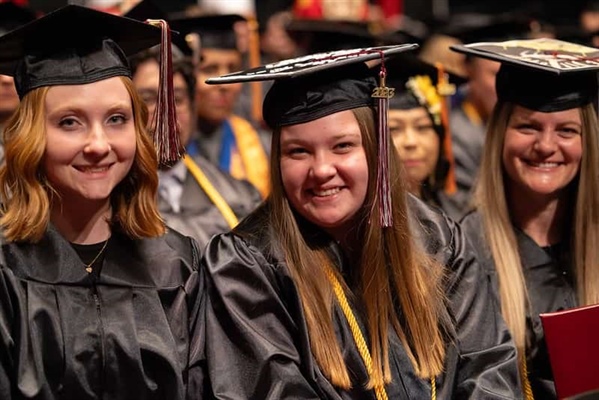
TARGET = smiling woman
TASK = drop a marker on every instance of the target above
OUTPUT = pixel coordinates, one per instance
(90, 278)
(331, 288)
(537, 197)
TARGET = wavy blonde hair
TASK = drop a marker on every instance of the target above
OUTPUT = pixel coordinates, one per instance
(26, 194)
(490, 199)
(393, 272)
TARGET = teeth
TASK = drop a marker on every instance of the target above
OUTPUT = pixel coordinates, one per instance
(93, 169)
(328, 192)
(544, 164)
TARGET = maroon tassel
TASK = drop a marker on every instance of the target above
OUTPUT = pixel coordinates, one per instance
(165, 130)
(383, 93)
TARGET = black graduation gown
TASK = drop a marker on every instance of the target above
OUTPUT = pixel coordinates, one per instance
(257, 344)
(549, 281)
(132, 333)
(198, 216)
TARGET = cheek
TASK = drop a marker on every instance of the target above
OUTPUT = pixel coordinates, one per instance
(291, 176)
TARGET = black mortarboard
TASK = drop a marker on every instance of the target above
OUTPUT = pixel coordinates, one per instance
(215, 30)
(318, 35)
(314, 86)
(148, 9)
(477, 27)
(72, 45)
(12, 16)
(77, 45)
(546, 75)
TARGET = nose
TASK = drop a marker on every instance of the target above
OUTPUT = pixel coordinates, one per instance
(323, 167)
(97, 142)
(409, 138)
(545, 143)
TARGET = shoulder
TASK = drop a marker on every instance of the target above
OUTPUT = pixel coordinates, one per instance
(431, 225)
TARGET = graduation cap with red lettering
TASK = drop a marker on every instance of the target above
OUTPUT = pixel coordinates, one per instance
(314, 86)
(77, 45)
(545, 75)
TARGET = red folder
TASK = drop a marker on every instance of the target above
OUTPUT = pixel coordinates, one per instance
(572, 338)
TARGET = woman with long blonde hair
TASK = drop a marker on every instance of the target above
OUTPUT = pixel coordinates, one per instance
(537, 199)
(325, 292)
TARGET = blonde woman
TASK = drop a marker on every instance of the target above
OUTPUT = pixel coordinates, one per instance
(537, 204)
(324, 292)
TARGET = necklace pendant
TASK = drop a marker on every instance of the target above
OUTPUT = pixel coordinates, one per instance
(89, 270)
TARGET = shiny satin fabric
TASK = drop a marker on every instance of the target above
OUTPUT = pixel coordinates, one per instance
(135, 333)
(257, 344)
(550, 284)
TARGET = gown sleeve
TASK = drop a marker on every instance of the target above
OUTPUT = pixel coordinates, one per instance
(255, 340)
(487, 364)
(9, 309)
(195, 287)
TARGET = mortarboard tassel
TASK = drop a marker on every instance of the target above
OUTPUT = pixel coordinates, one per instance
(383, 93)
(445, 90)
(165, 129)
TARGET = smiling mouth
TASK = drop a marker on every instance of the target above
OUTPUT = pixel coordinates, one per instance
(94, 169)
(327, 192)
(543, 164)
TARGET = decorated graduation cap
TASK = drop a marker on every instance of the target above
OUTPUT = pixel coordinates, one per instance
(12, 16)
(76, 45)
(314, 86)
(545, 75)
(420, 84)
(215, 30)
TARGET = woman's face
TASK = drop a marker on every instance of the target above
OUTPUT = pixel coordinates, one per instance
(416, 142)
(324, 170)
(542, 151)
(90, 138)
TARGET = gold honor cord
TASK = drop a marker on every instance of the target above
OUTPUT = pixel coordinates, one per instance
(527, 389)
(211, 191)
(379, 390)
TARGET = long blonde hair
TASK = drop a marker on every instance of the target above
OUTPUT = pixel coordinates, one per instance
(490, 199)
(26, 194)
(393, 272)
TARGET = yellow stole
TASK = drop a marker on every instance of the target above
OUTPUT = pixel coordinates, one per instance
(250, 162)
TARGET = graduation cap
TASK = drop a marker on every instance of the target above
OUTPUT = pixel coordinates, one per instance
(314, 86)
(148, 9)
(318, 36)
(544, 74)
(215, 30)
(480, 27)
(76, 45)
(12, 16)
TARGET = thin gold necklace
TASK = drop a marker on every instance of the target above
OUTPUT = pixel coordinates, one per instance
(88, 267)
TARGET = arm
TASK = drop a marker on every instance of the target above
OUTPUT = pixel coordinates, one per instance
(487, 365)
(256, 341)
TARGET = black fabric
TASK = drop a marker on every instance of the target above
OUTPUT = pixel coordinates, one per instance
(550, 283)
(134, 332)
(216, 31)
(306, 98)
(257, 339)
(73, 45)
(545, 91)
(198, 216)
